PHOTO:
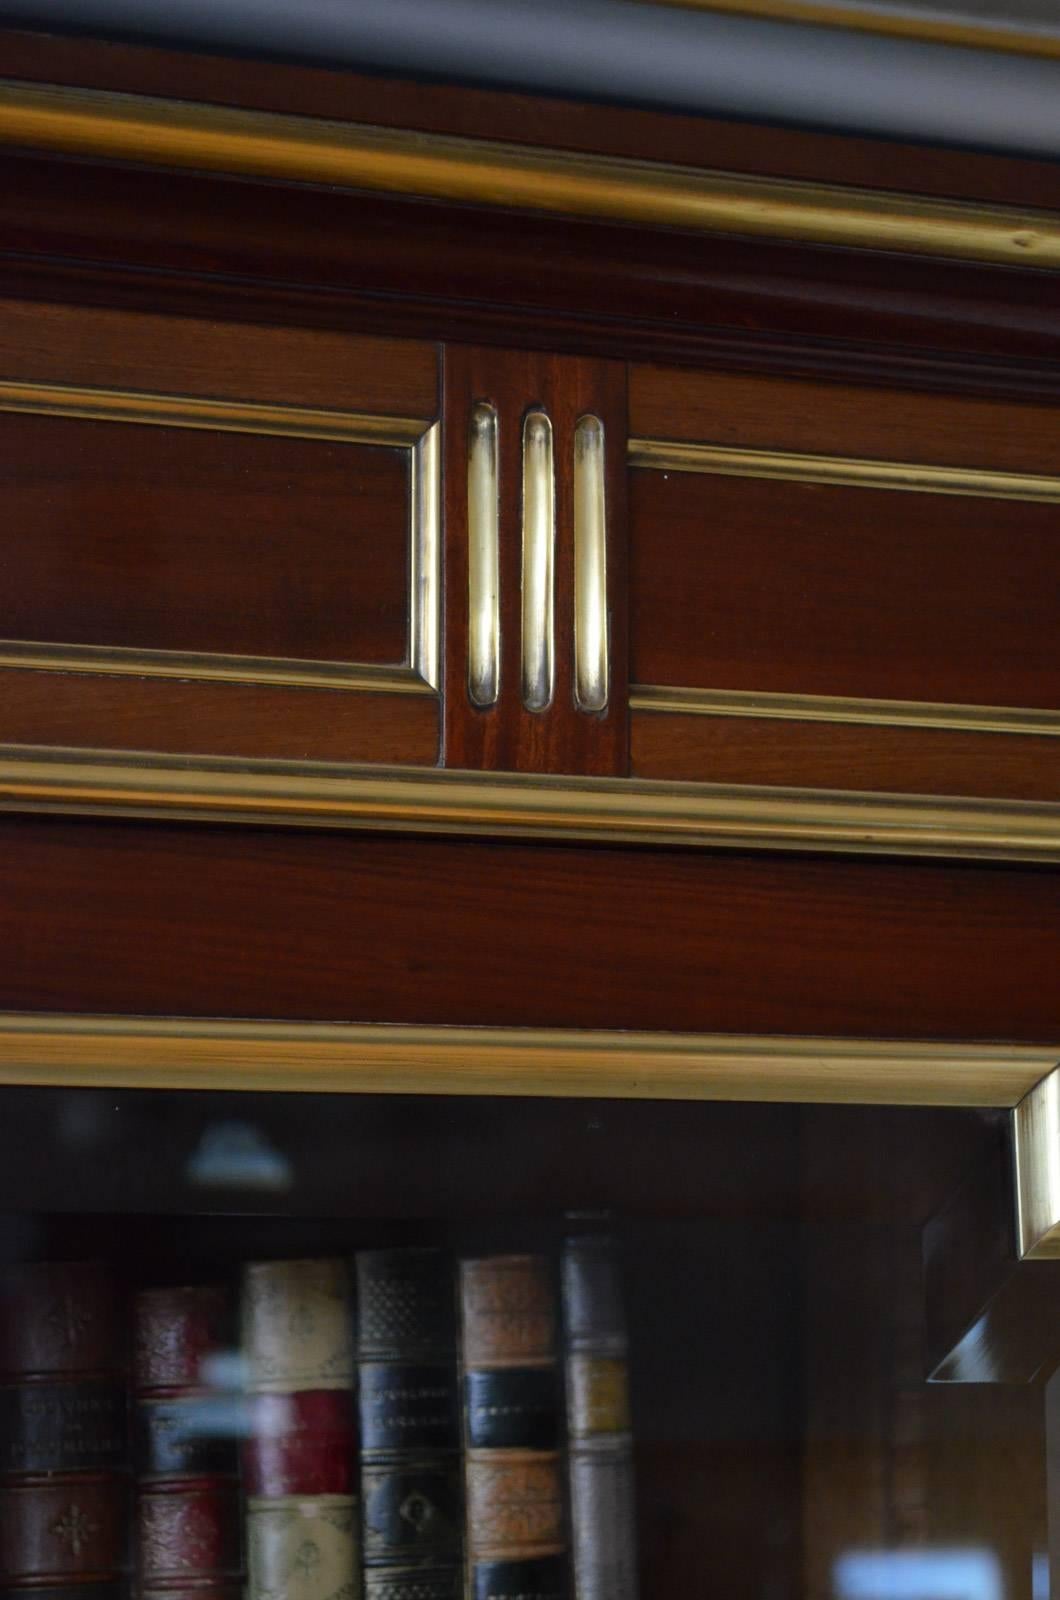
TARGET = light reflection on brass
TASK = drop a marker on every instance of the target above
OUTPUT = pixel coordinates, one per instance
(483, 559)
(591, 667)
(367, 1058)
(514, 805)
(539, 546)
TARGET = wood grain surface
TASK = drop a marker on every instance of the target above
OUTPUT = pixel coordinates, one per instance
(169, 920)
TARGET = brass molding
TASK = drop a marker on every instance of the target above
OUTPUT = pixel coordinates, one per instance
(524, 806)
(1036, 1150)
(419, 674)
(662, 455)
(694, 702)
(376, 1058)
(187, 135)
(932, 24)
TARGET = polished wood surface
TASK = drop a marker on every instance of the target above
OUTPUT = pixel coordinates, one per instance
(187, 539)
(507, 736)
(835, 755)
(878, 423)
(157, 352)
(742, 583)
(116, 917)
(260, 721)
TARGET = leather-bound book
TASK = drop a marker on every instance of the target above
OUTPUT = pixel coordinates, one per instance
(516, 1539)
(300, 1459)
(411, 1497)
(188, 1518)
(599, 1438)
(63, 1433)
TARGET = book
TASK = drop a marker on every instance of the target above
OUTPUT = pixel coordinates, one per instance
(599, 1435)
(63, 1431)
(516, 1538)
(411, 1499)
(300, 1456)
(188, 1514)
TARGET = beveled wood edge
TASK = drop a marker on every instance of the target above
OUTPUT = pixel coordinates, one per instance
(418, 437)
(193, 136)
(635, 811)
(1036, 1162)
(378, 1058)
(679, 700)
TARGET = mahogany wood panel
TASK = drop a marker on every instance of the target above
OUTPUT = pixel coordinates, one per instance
(110, 349)
(738, 583)
(841, 419)
(561, 738)
(179, 717)
(118, 917)
(246, 251)
(524, 118)
(836, 755)
(188, 539)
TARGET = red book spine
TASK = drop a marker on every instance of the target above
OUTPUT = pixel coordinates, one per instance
(188, 1523)
(63, 1431)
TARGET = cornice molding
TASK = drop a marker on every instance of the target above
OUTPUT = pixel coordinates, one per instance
(179, 134)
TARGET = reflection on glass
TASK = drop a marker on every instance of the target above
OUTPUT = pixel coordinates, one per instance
(918, 1575)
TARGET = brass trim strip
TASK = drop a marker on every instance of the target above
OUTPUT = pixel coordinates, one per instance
(420, 675)
(183, 134)
(483, 558)
(516, 805)
(1018, 35)
(660, 455)
(425, 559)
(189, 1053)
(539, 562)
(191, 411)
(682, 701)
(1036, 1162)
(212, 668)
(591, 653)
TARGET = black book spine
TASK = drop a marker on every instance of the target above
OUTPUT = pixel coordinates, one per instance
(412, 1506)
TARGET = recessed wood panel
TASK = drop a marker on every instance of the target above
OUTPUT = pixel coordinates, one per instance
(840, 755)
(160, 538)
(193, 920)
(846, 419)
(795, 587)
(179, 717)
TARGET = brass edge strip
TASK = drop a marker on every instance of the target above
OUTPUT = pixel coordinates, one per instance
(425, 559)
(189, 1053)
(693, 702)
(301, 422)
(225, 416)
(212, 668)
(660, 455)
(439, 800)
(1018, 36)
(184, 134)
(1036, 1152)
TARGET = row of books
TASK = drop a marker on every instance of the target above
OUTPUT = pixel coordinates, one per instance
(400, 1426)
